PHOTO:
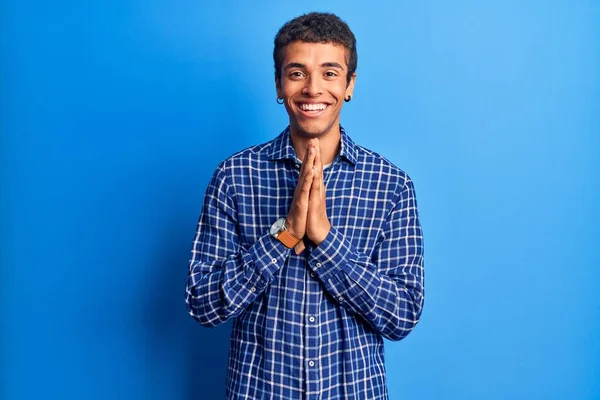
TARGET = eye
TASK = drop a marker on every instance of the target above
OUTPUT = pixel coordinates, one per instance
(296, 74)
(330, 74)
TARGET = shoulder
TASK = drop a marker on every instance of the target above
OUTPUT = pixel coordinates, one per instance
(235, 167)
(247, 158)
(377, 165)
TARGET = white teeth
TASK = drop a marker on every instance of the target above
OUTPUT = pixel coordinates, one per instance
(313, 107)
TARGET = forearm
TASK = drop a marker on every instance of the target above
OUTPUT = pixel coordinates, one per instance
(388, 298)
(218, 290)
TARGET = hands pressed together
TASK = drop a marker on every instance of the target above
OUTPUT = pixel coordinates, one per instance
(308, 214)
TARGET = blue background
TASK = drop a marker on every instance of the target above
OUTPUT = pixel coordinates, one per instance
(114, 114)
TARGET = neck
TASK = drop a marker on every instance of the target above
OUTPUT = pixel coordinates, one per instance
(329, 142)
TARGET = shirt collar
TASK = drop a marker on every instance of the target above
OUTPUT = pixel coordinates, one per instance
(282, 148)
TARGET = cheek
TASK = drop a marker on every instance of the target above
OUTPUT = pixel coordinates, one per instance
(289, 86)
(340, 90)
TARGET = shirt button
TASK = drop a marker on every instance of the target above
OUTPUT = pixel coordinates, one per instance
(274, 260)
(297, 166)
(341, 298)
(319, 265)
(253, 289)
(311, 363)
(311, 318)
(312, 274)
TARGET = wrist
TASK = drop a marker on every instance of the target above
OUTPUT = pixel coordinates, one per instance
(320, 236)
(290, 228)
(280, 232)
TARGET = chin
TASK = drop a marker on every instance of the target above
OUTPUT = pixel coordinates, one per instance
(313, 130)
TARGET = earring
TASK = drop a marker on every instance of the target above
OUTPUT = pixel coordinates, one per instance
(347, 99)
(278, 100)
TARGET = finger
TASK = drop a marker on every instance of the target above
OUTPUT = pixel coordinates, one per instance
(307, 177)
(306, 183)
(319, 183)
(306, 156)
(310, 160)
(319, 161)
(306, 163)
(321, 175)
(303, 165)
(318, 178)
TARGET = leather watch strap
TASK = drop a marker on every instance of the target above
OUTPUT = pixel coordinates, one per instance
(299, 248)
(287, 239)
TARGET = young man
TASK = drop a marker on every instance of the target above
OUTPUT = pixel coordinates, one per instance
(316, 260)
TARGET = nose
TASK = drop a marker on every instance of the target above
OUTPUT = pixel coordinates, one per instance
(312, 87)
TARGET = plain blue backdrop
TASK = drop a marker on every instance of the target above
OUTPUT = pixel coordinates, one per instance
(114, 114)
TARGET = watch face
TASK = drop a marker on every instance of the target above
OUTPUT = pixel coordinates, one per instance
(277, 226)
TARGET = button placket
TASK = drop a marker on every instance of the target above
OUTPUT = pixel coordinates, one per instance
(311, 352)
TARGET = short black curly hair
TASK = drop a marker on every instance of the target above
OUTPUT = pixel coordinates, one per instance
(316, 27)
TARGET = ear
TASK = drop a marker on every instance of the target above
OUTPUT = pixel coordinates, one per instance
(278, 87)
(350, 86)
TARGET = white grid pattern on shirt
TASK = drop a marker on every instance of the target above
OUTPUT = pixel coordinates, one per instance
(363, 283)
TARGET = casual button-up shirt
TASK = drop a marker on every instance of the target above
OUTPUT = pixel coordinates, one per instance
(308, 326)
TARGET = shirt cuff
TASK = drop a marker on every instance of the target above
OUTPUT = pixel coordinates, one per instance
(331, 255)
(268, 255)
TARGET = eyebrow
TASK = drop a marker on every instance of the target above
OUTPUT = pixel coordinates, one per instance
(325, 64)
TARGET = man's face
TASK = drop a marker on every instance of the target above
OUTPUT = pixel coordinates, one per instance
(313, 86)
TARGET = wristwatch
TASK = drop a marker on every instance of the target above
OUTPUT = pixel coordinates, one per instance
(280, 232)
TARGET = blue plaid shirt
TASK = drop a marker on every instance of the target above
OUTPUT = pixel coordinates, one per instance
(308, 326)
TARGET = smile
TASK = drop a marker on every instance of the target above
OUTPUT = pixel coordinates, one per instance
(312, 109)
